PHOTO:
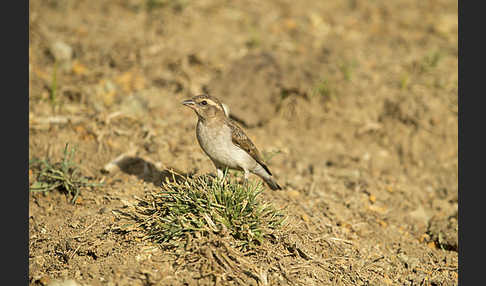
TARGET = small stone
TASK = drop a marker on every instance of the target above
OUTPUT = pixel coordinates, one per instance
(61, 51)
(133, 104)
(421, 215)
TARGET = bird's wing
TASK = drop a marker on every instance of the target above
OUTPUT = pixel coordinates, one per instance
(240, 139)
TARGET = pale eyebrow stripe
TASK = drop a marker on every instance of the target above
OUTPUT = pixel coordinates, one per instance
(210, 102)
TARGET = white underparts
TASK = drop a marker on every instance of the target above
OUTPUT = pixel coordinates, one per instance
(217, 144)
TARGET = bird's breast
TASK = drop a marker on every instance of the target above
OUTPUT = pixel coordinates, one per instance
(217, 144)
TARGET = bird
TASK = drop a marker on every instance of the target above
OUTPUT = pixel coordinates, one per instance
(225, 143)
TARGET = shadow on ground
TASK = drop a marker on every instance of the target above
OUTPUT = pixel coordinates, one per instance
(148, 172)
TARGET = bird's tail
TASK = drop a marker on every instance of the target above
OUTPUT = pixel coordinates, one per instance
(272, 183)
(263, 172)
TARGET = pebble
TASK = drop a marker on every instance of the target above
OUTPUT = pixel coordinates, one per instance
(421, 215)
(61, 51)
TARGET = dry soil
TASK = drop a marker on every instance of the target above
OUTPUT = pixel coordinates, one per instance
(354, 101)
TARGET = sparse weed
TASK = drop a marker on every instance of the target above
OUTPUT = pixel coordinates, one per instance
(202, 204)
(429, 61)
(62, 175)
(254, 39)
(432, 59)
(418, 68)
(347, 68)
(404, 81)
(323, 89)
(176, 5)
(53, 87)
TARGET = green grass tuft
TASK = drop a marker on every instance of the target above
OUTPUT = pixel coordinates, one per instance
(63, 175)
(201, 205)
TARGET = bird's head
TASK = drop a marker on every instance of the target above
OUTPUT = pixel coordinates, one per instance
(206, 106)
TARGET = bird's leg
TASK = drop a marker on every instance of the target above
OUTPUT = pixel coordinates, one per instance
(220, 174)
(245, 181)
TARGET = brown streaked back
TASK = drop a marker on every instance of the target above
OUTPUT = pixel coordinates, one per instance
(240, 139)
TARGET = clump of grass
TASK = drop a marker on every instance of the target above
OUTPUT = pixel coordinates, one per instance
(63, 175)
(202, 205)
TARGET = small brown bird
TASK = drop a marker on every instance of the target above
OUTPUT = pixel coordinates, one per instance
(225, 142)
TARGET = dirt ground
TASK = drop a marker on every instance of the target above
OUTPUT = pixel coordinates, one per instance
(356, 101)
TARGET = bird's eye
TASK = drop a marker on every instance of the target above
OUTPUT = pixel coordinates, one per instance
(204, 102)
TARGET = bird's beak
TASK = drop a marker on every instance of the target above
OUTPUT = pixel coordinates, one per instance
(189, 103)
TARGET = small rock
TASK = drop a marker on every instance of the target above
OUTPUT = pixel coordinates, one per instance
(421, 215)
(133, 104)
(61, 51)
